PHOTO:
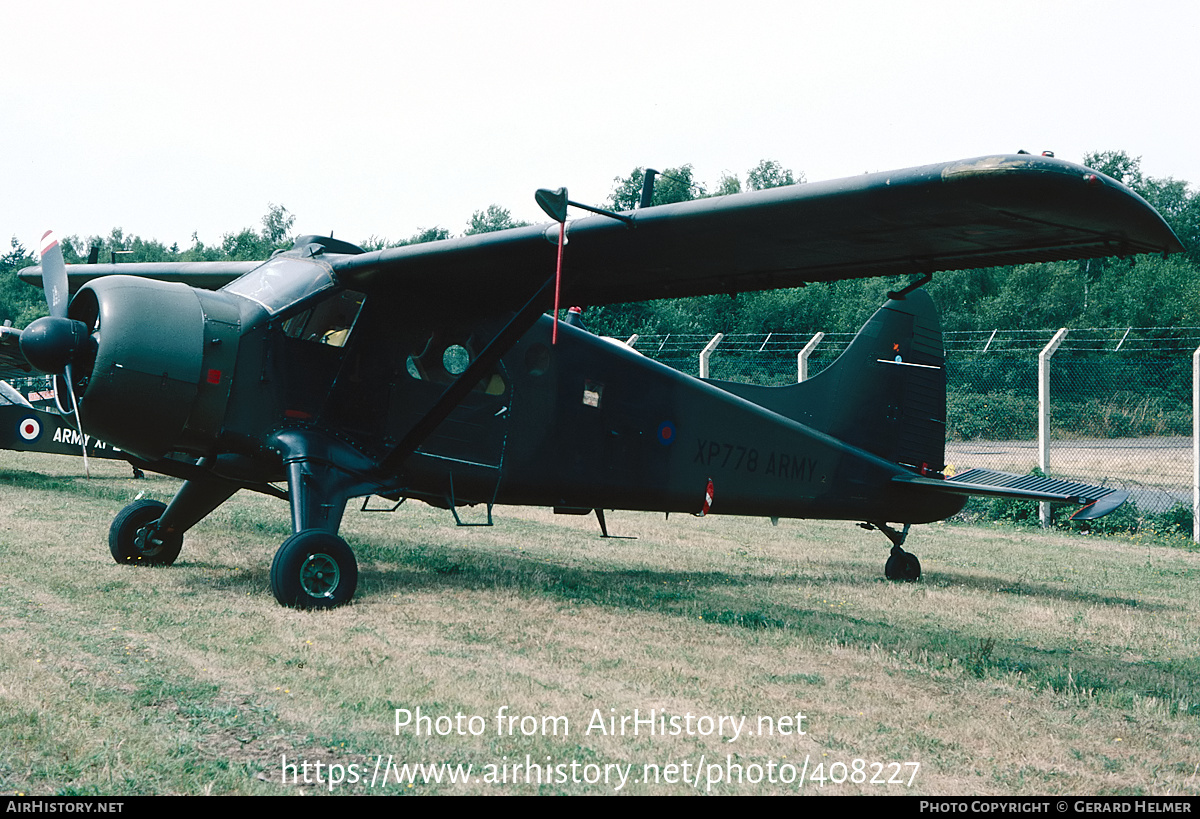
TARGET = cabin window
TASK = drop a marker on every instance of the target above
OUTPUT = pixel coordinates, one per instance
(328, 322)
(456, 359)
(441, 360)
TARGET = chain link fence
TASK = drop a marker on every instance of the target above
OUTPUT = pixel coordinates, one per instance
(36, 389)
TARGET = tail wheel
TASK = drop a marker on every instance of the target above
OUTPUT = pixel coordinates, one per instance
(902, 565)
(133, 536)
(314, 569)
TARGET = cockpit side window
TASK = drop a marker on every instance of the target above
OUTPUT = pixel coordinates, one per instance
(328, 321)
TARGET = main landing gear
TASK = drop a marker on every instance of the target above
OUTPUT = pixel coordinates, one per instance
(314, 569)
(901, 565)
(134, 535)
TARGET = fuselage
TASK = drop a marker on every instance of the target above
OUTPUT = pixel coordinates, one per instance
(580, 424)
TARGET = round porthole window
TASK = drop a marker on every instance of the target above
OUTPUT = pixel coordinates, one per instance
(456, 359)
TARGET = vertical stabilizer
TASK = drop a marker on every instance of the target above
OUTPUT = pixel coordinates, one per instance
(886, 393)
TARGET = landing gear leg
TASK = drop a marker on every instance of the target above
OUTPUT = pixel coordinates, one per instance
(314, 568)
(133, 536)
(901, 565)
(150, 533)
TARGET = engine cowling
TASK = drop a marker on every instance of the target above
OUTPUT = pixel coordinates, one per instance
(163, 364)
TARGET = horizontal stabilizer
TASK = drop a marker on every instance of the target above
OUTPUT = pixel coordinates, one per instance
(1096, 501)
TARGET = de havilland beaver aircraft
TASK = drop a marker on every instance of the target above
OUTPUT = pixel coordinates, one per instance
(431, 371)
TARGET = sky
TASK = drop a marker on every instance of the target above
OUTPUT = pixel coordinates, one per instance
(379, 119)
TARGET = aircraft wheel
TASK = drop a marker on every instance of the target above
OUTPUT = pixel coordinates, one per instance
(902, 565)
(132, 537)
(314, 569)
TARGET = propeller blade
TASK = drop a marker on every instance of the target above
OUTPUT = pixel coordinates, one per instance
(87, 470)
(54, 275)
(63, 392)
(54, 284)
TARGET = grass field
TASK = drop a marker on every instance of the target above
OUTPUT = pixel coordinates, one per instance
(1023, 663)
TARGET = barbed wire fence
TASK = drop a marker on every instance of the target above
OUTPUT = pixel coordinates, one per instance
(1120, 400)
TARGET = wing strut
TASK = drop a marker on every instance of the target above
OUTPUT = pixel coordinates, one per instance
(458, 390)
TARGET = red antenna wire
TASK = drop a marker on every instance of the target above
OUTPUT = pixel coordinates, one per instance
(562, 230)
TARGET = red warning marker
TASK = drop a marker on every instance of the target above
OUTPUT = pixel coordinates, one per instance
(708, 499)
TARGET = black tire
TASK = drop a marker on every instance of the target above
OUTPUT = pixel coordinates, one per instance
(132, 537)
(903, 566)
(314, 569)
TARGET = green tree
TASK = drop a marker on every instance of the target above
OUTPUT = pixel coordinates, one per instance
(770, 174)
(19, 303)
(249, 244)
(1117, 164)
(628, 191)
(728, 184)
(119, 247)
(491, 219)
(672, 185)
(245, 245)
(433, 234)
(677, 185)
(199, 252)
(276, 226)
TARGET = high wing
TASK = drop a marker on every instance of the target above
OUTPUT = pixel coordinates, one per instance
(972, 213)
(279, 393)
(981, 212)
(206, 275)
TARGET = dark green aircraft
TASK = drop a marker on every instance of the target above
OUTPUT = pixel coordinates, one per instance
(432, 372)
(26, 429)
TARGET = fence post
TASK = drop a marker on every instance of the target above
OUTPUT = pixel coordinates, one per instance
(1196, 445)
(1044, 412)
(802, 357)
(707, 352)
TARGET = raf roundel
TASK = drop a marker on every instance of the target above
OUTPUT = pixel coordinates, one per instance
(29, 428)
(666, 433)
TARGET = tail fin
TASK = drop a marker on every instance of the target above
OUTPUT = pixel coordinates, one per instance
(885, 394)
